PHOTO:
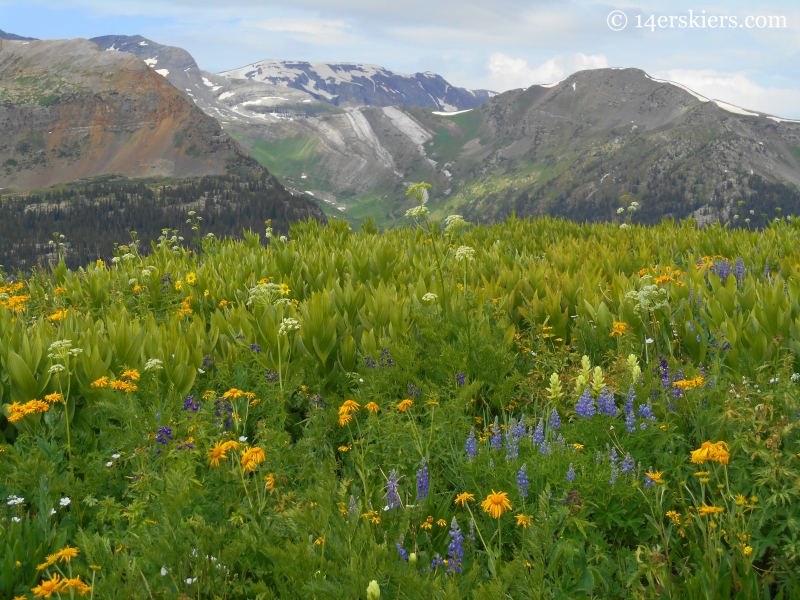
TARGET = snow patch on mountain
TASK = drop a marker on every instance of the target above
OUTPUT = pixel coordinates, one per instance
(778, 120)
(162, 72)
(226, 95)
(450, 114)
(734, 109)
(151, 62)
(683, 87)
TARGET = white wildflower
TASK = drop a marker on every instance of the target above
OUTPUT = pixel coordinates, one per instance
(65, 501)
(620, 210)
(454, 222)
(243, 438)
(287, 325)
(16, 519)
(465, 253)
(430, 297)
(109, 464)
(115, 456)
(417, 211)
(56, 368)
(164, 571)
(153, 364)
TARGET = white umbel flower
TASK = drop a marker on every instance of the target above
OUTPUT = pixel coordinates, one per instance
(465, 253)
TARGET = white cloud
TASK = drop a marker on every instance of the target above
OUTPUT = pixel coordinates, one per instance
(738, 89)
(506, 72)
(313, 31)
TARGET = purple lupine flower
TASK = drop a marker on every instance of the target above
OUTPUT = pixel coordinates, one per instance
(472, 445)
(186, 446)
(613, 456)
(606, 403)
(391, 491)
(223, 410)
(545, 448)
(739, 271)
(385, 359)
(538, 433)
(522, 481)
(239, 336)
(663, 370)
(472, 530)
(272, 376)
(353, 506)
(164, 435)
(614, 474)
(585, 406)
(455, 550)
(437, 562)
(496, 442)
(461, 378)
(646, 412)
(571, 473)
(513, 436)
(628, 465)
(208, 362)
(423, 481)
(413, 391)
(255, 348)
(370, 362)
(189, 403)
(401, 551)
(630, 411)
(722, 268)
(555, 420)
(317, 401)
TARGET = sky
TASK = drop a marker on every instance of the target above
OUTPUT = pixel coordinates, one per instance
(730, 51)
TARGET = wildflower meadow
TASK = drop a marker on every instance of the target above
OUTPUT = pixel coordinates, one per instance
(530, 409)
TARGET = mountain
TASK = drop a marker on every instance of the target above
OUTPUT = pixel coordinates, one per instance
(354, 84)
(4, 35)
(70, 110)
(570, 149)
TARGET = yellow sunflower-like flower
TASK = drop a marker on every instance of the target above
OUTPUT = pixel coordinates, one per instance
(47, 588)
(252, 458)
(656, 477)
(348, 407)
(711, 451)
(66, 554)
(54, 397)
(100, 383)
(524, 520)
(372, 407)
(496, 504)
(344, 419)
(674, 516)
(270, 480)
(441, 523)
(233, 394)
(620, 327)
(405, 405)
(76, 583)
(217, 453)
(705, 510)
(463, 498)
(426, 526)
(131, 374)
(57, 316)
(191, 279)
(284, 289)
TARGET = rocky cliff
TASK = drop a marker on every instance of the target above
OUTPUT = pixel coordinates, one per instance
(69, 109)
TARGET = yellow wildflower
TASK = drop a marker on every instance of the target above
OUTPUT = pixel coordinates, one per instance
(344, 419)
(319, 541)
(217, 453)
(191, 279)
(708, 451)
(578, 446)
(405, 405)
(270, 479)
(674, 516)
(100, 383)
(524, 520)
(57, 316)
(252, 458)
(705, 510)
(77, 584)
(284, 289)
(59, 290)
(54, 397)
(620, 327)
(463, 497)
(47, 588)
(656, 477)
(66, 554)
(348, 407)
(233, 394)
(427, 526)
(496, 504)
(747, 550)
(131, 374)
(372, 407)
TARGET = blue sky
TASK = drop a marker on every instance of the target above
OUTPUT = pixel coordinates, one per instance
(498, 44)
